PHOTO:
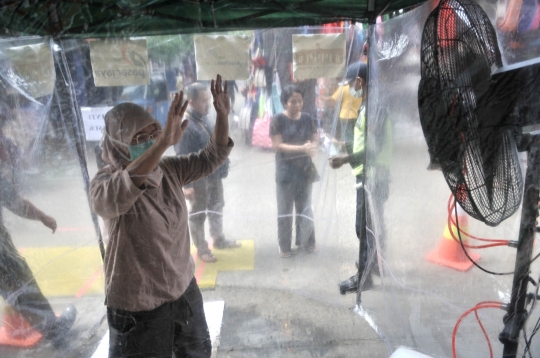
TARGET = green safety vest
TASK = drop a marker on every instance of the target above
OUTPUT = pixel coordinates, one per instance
(384, 157)
(359, 138)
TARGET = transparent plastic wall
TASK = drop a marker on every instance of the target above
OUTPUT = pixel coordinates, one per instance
(50, 255)
(257, 300)
(424, 289)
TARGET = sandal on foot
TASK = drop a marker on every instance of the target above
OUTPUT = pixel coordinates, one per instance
(311, 249)
(285, 255)
(208, 257)
(226, 244)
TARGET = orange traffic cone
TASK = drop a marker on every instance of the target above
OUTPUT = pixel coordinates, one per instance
(16, 331)
(450, 253)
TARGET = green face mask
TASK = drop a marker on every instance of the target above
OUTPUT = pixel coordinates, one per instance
(136, 150)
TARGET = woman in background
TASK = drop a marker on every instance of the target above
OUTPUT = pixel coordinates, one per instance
(294, 138)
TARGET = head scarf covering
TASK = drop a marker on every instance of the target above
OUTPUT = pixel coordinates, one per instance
(122, 122)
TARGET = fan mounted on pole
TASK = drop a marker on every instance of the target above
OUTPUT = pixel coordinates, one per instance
(475, 115)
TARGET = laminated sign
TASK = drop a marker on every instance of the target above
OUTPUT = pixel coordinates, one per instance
(34, 67)
(226, 55)
(119, 63)
(316, 56)
(94, 122)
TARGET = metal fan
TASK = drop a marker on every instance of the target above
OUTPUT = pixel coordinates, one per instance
(473, 111)
(476, 153)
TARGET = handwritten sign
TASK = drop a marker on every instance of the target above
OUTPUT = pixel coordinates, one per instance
(119, 62)
(94, 122)
(316, 56)
(223, 54)
(34, 67)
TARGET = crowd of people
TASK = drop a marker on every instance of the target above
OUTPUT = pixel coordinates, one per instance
(154, 305)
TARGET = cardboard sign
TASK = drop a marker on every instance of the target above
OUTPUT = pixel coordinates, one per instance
(119, 62)
(34, 66)
(94, 122)
(223, 54)
(316, 56)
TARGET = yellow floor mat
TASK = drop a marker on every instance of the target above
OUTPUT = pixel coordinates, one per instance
(66, 271)
(77, 271)
(238, 259)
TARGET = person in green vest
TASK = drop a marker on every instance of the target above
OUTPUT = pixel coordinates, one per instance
(349, 99)
(367, 263)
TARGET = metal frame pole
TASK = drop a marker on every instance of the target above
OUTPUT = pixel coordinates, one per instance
(516, 316)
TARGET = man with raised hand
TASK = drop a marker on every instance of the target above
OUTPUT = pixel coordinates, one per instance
(154, 306)
(206, 194)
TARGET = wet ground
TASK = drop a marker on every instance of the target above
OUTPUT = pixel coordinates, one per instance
(290, 307)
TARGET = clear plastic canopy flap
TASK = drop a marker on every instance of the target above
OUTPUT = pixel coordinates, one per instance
(278, 293)
(428, 284)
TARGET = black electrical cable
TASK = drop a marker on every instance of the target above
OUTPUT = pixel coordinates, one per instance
(465, 250)
(534, 258)
(529, 341)
(470, 259)
(537, 325)
(528, 346)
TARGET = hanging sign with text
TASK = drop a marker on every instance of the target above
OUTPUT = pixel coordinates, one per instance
(119, 62)
(316, 56)
(94, 122)
(34, 67)
(223, 54)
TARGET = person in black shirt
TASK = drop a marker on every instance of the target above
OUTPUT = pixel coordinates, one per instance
(294, 138)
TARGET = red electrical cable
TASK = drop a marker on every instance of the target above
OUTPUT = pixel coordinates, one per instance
(475, 246)
(485, 333)
(451, 217)
(451, 205)
(485, 304)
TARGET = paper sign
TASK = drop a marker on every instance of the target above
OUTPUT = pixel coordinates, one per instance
(94, 122)
(119, 62)
(34, 66)
(223, 54)
(316, 56)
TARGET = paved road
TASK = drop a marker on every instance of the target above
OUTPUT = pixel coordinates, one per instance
(291, 307)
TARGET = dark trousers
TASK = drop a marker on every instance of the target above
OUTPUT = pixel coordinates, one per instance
(368, 248)
(208, 202)
(178, 326)
(298, 194)
(367, 254)
(19, 288)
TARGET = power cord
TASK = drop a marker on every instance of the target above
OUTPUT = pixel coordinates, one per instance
(450, 207)
(485, 304)
(536, 326)
(467, 254)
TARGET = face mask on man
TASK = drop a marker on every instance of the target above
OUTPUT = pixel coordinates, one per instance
(355, 93)
(135, 150)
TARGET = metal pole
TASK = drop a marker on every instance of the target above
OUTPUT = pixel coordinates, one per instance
(65, 107)
(516, 315)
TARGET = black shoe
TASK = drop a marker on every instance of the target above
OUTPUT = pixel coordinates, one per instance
(62, 325)
(349, 286)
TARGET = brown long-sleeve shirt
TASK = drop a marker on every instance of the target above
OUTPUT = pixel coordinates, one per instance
(147, 259)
